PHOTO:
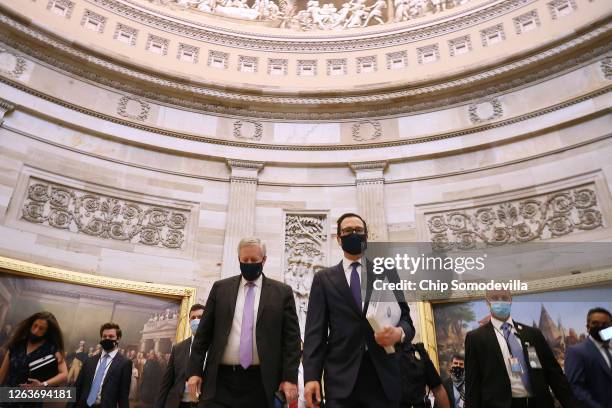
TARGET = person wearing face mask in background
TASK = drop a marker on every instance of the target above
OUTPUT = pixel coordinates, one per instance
(104, 380)
(510, 365)
(173, 392)
(418, 374)
(339, 342)
(38, 336)
(588, 365)
(250, 336)
(455, 384)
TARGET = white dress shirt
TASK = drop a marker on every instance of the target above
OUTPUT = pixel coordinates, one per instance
(516, 383)
(231, 355)
(109, 361)
(599, 346)
(348, 269)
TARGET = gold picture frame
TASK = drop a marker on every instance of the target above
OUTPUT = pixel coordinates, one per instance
(186, 295)
(426, 312)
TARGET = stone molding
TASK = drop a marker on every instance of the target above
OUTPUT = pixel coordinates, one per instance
(339, 43)
(299, 101)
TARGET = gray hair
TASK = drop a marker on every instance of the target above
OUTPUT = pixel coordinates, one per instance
(252, 241)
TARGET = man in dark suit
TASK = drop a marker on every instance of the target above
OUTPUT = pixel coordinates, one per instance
(104, 381)
(455, 384)
(173, 392)
(340, 342)
(588, 365)
(510, 365)
(250, 336)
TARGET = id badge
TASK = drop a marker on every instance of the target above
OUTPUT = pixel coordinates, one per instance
(515, 366)
(534, 360)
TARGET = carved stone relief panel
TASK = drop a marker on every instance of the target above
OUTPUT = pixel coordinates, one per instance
(306, 240)
(537, 217)
(103, 216)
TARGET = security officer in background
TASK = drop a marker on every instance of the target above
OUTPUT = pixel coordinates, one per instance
(417, 372)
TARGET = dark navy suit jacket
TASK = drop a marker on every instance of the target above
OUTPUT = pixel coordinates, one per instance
(589, 375)
(337, 333)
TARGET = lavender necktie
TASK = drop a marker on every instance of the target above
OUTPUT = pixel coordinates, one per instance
(355, 285)
(246, 331)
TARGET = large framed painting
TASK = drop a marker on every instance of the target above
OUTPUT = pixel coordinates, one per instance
(152, 317)
(556, 306)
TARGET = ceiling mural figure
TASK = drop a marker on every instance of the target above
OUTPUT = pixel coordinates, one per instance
(309, 15)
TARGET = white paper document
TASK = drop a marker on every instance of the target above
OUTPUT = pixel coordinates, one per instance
(383, 313)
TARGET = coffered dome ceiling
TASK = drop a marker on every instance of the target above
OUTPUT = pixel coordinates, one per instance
(308, 59)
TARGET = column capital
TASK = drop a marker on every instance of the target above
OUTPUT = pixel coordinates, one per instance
(245, 164)
(244, 170)
(369, 172)
(373, 165)
(6, 107)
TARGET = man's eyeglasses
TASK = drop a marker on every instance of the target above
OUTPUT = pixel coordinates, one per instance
(350, 230)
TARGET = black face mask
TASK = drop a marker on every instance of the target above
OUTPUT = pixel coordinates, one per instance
(457, 373)
(594, 332)
(108, 344)
(33, 338)
(251, 271)
(354, 243)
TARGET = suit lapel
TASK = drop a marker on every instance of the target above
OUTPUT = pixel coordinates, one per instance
(93, 368)
(339, 281)
(263, 296)
(368, 283)
(231, 297)
(185, 355)
(600, 359)
(492, 339)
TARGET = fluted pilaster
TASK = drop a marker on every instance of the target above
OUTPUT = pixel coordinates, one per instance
(370, 197)
(241, 211)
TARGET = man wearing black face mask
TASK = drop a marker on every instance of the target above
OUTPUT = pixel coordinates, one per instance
(251, 337)
(104, 380)
(455, 384)
(588, 365)
(338, 338)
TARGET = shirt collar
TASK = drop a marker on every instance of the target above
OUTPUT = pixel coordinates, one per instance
(112, 354)
(498, 323)
(256, 282)
(346, 263)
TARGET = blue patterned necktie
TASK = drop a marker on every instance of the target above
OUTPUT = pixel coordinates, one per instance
(355, 285)
(97, 382)
(516, 350)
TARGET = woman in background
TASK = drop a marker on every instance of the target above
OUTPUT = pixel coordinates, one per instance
(36, 337)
